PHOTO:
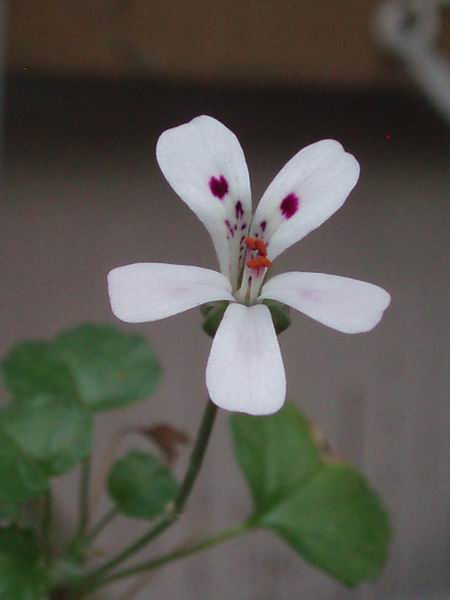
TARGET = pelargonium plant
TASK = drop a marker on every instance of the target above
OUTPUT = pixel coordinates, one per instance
(318, 504)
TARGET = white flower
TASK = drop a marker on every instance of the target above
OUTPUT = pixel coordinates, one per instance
(204, 163)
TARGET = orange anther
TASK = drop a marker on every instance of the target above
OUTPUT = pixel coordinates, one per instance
(259, 263)
(250, 242)
(261, 247)
(264, 261)
(253, 263)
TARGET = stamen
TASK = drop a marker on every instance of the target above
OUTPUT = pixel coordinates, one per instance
(259, 263)
(261, 246)
(264, 261)
(250, 243)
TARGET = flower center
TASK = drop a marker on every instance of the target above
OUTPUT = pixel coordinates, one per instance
(258, 254)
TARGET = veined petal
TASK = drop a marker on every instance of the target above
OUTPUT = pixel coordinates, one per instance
(245, 371)
(205, 165)
(309, 188)
(345, 304)
(151, 291)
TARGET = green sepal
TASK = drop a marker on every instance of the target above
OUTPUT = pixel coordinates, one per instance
(141, 486)
(212, 313)
(280, 315)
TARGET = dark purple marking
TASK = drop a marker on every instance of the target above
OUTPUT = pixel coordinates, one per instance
(239, 210)
(218, 186)
(263, 225)
(243, 226)
(249, 282)
(235, 227)
(230, 228)
(289, 206)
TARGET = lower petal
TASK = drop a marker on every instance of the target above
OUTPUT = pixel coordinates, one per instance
(348, 305)
(245, 371)
(151, 291)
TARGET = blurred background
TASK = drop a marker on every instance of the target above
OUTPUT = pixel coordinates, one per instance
(87, 88)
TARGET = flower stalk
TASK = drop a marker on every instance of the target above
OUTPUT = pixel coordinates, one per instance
(156, 563)
(175, 510)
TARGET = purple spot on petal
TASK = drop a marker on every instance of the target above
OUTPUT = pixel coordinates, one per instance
(218, 186)
(230, 228)
(263, 225)
(243, 226)
(239, 210)
(289, 206)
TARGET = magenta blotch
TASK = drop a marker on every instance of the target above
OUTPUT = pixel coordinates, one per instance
(289, 206)
(263, 225)
(218, 186)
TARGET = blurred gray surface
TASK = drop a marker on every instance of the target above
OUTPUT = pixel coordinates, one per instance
(84, 194)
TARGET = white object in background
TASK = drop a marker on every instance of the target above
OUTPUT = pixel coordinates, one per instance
(409, 29)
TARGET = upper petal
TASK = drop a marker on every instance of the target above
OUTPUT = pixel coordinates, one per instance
(309, 188)
(151, 291)
(345, 304)
(205, 165)
(245, 370)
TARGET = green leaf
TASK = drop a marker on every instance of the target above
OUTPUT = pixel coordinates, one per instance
(212, 313)
(98, 364)
(54, 432)
(325, 510)
(265, 448)
(110, 368)
(141, 486)
(33, 368)
(335, 522)
(22, 576)
(21, 478)
(280, 315)
(8, 510)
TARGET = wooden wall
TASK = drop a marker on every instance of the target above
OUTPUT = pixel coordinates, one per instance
(84, 194)
(325, 42)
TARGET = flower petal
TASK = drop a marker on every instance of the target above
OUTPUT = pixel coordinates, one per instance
(345, 304)
(205, 165)
(310, 188)
(151, 291)
(245, 370)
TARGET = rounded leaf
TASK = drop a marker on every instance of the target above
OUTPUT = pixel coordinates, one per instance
(110, 368)
(21, 477)
(33, 368)
(22, 576)
(54, 432)
(326, 511)
(141, 486)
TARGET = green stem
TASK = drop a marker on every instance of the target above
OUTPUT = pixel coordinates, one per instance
(85, 476)
(101, 524)
(195, 462)
(176, 554)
